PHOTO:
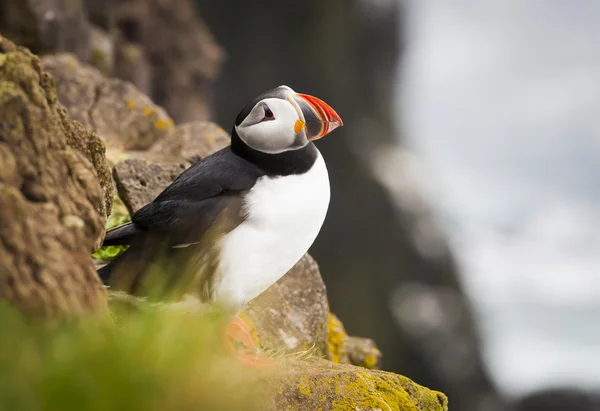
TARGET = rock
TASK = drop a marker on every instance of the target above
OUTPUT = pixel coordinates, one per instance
(102, 54)
(184, 57)
(560, 399)
(351, 350)
(317, 384)
(337, 341)
(94, 149)
(192, 141)
(141, 176)
(131, 64)
(51, 203)
(116, 110)
(160, 45)
(47, 25)
(76, 85)
(125, 115)
(291, 316)
(139, 181)
(363, 352)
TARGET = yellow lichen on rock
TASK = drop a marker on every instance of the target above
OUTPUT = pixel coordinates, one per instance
(163, 124)
(318, 384)
(336, 340)
(370, 361)
(351, 350)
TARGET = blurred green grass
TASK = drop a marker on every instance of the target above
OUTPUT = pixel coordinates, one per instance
(148, 359)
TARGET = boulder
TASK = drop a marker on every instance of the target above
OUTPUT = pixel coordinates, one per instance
(139, 181)
(131, 64)
(183, 57)
(317, 384)
(291, 316)
(116, 110)
(192, 141)
(141, 176)
(47, 25)
(363, 352)
(52, 205)
(350, 350)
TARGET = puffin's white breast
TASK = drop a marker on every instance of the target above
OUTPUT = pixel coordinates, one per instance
(285, 214)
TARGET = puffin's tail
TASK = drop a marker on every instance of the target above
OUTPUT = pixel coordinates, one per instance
(106, 273)
(121, 235)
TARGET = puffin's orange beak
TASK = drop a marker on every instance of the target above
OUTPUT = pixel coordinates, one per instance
(320, 118)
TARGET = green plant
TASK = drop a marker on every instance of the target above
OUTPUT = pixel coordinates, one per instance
(149, 359)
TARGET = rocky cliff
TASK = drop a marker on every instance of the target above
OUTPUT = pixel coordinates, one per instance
(55, 192)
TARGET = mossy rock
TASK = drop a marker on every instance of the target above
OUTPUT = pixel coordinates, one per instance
(344, 349)
(317, 384)
(52, 205)
(291, 316)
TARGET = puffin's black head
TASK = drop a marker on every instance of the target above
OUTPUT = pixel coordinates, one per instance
(283, 120)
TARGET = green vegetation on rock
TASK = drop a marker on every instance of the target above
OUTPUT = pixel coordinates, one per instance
(135, 360)
(118, 216)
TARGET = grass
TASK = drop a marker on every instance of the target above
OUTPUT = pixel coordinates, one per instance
(147, 360)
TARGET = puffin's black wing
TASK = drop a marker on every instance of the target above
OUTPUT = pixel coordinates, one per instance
(190, 205)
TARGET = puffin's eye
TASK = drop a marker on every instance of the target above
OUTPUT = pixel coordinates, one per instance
(268, 114)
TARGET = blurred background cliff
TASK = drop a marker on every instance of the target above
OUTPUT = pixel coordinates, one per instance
(463, 229)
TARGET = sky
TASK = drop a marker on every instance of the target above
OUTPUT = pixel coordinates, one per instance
(499, 101)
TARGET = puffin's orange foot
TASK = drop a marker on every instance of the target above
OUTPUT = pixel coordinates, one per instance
(248, 355)
(238, 330)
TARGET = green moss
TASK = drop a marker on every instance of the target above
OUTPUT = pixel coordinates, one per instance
(144, 360)
(118, 216)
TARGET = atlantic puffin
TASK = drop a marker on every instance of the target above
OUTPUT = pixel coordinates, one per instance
(235, 222)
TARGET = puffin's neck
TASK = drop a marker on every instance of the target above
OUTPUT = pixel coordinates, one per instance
(281, 164)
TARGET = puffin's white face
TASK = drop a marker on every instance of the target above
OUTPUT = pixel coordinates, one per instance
(282, 120)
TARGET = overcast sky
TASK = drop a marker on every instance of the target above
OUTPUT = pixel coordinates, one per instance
(501, 102)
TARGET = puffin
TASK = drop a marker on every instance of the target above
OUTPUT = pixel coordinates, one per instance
(235, 222)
